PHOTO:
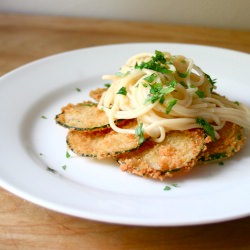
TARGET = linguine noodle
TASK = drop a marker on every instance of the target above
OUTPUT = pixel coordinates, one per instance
(165, 92)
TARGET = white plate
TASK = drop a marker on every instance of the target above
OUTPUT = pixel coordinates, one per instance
(30, 145)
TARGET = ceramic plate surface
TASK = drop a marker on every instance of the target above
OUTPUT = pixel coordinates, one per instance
(34, 165)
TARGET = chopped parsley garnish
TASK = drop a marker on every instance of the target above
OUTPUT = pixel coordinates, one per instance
(212, 81)
(174, 185)
(64, 167)
(122, 91)
(107, 85)
(200, 93)
(154, 66)
(158, 92)
(67, 154)
(237, 103)
(151, 78)
(43, 117)
(139, 132)
(209, 129)
(168, 187)
(183, 75)
(221, 163)
(157, 63)
(171, 104)
(78, 89)
(159, 56)
(183, 84)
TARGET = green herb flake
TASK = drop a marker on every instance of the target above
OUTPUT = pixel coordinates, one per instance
(162, 99)
(172, 83)
(43, 117)
(212, 82)
(221, 163)
(237, 103)
(139, 132)
(158, 92)
(122, 91)
(183, 75)
(167, 90)
(151, 78)
(67, 154)
(183, 84)
(78, 89)
(201, 94)
(154, 66)
(170, 105)
(174, 185)
(159, 56)
(107, 85)
(207, 127)
(167, 188)
(157, 63)
(64, 167)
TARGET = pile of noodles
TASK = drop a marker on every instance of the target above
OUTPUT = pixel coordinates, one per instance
(165, 92)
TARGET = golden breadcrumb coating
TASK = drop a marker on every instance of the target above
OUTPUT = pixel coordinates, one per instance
(102, 144)
(96, 94)
(231, 140)
(178, 153)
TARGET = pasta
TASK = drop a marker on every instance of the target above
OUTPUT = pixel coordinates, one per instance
(165, 92)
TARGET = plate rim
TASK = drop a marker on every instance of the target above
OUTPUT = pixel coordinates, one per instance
(38, 201)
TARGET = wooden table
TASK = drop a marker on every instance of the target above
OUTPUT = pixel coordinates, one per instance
(29, 227)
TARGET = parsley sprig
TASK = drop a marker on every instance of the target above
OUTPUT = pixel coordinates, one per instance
(122, 91)
(157, 63)
(200, 93)
(158, 91)
(139, 132)
(183, 75)
(212, 82)
(151, 78)
(170, 105)
(209, 129)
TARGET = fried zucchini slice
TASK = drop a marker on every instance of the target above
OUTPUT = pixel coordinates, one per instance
(102, 145)
(178, 153)
(82, 116)
(231, 140)
(96, 94)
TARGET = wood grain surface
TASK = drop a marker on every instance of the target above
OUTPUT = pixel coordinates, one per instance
(25, 226)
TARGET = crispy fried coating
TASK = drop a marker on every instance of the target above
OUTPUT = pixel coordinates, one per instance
(83, 116)
(90, 135)
(102, 145)
(96, 94)
(231, 140)
(178, 153)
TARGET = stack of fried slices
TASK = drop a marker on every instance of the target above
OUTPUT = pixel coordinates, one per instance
(90, 135)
